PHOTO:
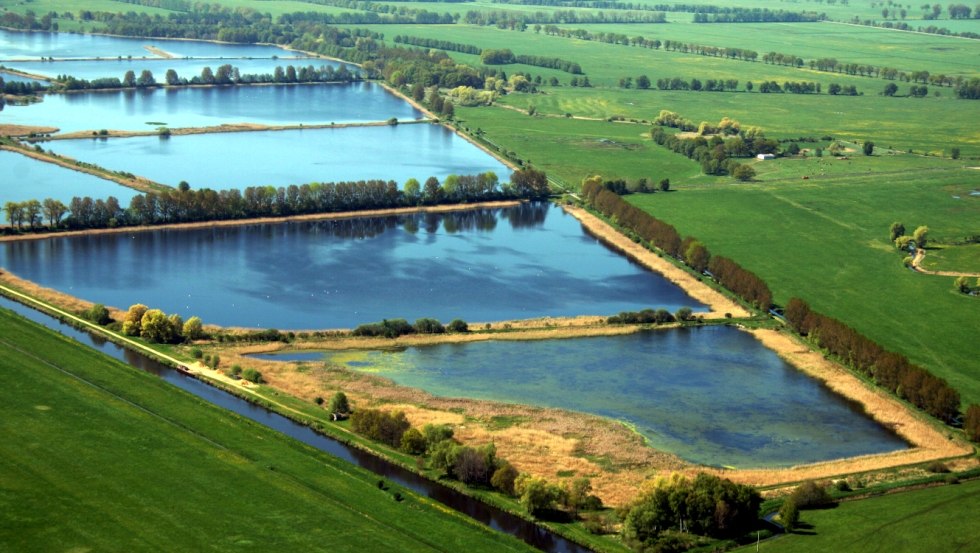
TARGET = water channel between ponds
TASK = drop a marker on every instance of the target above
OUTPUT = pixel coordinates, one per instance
(711, 395)
(528, 261)
(149, 109)
(492, 517)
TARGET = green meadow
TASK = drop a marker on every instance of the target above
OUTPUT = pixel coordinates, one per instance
(932, 519)
(98, 456)
(572, 149)
(826, 240)
(962, 259)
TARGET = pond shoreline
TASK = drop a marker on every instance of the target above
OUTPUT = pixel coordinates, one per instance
(268, 220)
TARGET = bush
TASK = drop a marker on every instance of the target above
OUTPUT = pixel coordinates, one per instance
(98, 314)
(196, 353)
(339, 403)
(971, 424)
(253, 376)
(937, 467)
(413, 442)
(458, 325)
(789, 514)
(810, 495)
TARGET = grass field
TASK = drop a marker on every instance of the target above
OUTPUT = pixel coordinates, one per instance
(573, 149)
(826, 241)
(100, 456)
(964, 259)
(933, 519)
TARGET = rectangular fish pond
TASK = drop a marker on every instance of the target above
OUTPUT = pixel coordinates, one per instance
(481, 265)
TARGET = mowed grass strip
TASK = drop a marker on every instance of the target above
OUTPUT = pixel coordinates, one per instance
(100, 456)
(932, 519)
(827, 242)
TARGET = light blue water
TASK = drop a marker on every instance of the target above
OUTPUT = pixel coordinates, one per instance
(25, 45)
(186, 68)
(23, 178)
(200, 107)
(488, 265)
(281, 158)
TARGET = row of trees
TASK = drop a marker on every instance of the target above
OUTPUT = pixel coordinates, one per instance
(510, 19)
(393, 328)
(651, 316)
(504, 56)
(759, 15)
(890, 370)
(709, 85)
(224, 75)
(156, 326)
(183, 205)
(665, 237)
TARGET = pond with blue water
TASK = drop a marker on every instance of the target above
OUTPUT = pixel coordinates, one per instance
(29, 179)
(711, 395)
(147, 109)
(481, 265)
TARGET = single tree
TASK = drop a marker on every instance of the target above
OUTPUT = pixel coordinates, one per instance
(193, 329)
(339, 404)
(921, 236)
(971, 423)
(890, 89)
(664, 185)
(789, 514)
(897, 229)
(868, 147)
(954, 152)
(744, 173)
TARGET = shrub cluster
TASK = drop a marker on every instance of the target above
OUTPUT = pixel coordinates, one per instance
(707, 506)
(393, 328)
(890, 370)
(387, 428)
(156, 326)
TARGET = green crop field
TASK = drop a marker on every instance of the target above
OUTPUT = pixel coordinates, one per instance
(99, 456)
(933, 519)
(826, 240)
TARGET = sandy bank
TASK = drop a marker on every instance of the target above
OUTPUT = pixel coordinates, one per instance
(137, 183)
(716, 302)
(927, 441)
(267, 220)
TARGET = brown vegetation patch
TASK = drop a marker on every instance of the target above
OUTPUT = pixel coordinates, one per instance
(716, 301)
(541, 441)
(25, 130)
(51, 296)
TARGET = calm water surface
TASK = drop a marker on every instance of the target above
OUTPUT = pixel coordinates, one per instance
(712, 395)
(186, 68)
(24, 45)
(24, 178)
(280, 158)
(12, 78)
(488, 265)
(199, 107)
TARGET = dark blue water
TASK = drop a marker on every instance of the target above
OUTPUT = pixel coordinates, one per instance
(712, 395)
(485, 514)
(485, 265)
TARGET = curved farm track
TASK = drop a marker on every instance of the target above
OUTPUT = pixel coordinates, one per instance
(920, 254)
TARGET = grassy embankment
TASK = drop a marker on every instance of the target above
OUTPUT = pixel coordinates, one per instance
(827, 242)
(931, 519)
(81, 429)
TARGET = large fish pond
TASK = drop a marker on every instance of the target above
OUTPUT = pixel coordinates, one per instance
(281, 158)
(148, 109)
(712, 395)
(483, 265)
